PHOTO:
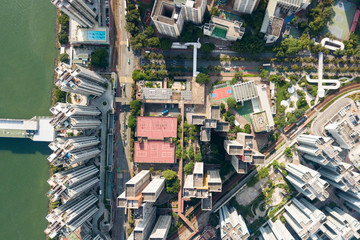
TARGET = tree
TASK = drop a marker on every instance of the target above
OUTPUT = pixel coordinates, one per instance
(214, 11)
(190, 33)
(288, 153)
(202, 78)
(238, 76)
(289, 47)
(135, 106)
(165, 43)
(63, 37)
(191, 152)
(63, 19)
(154, 42)
(138, 75)
(132, 122)
(64, 57)
(172, 182)
(247, 128)
(231, 102)
(207, 47)
(188, 167)
(198, 157)
(263, 73)
(248, 44)
(302, 103)
(169, 175)
(99, 58)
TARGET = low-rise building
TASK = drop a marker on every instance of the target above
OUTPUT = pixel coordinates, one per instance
(232, 224)
(155, 140)
(307, 181)
(224, 29)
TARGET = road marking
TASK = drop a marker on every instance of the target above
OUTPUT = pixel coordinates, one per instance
(126, 80)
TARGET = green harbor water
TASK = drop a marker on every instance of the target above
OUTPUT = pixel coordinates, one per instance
(27, 43)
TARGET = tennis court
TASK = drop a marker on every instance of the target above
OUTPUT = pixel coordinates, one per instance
(340, 24)
(221, 93)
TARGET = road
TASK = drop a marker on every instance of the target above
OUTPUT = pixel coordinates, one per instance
(123, 61)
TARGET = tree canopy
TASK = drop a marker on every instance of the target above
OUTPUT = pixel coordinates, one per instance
(207, 47)
(202, 78)
(248, 44)
(165, 43)
(99, 58)
(231, 102)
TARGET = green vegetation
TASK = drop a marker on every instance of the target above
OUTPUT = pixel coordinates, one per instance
(190, 33)
(291, 46)
(59, 96)
(172, 181)
(198, 157)
(64, 57)
(63, 37)
(135, 106)
(188, 167)
(64, 27)
(202, 78)
(100, 58)
(319, 16)
(231, 102)
(288, 152)
(165, 43)
(248, 44)
(214, 11)
(247, 128)
(207, 47)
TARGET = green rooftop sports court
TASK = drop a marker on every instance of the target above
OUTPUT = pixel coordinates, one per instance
(340, 24)
(219, 32)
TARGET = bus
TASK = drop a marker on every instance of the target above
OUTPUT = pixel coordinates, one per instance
(127, 43)
(267, 65)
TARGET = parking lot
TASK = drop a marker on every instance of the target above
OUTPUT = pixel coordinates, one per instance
(154, 109)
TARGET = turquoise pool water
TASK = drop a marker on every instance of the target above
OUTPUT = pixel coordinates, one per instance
(96, 35)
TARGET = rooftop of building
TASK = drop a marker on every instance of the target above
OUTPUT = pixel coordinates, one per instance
(199, 168)
(205, 134)
(153, 185)
(213, 176)
(156, 127)
(275, 27)
(138, 177)
(244, 91)
(161, 227)
(222, 127)
(94, 35)
(154, 151)
(215, 112)
(195, 119)
(225, 28)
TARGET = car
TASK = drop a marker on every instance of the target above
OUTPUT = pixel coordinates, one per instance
(125, 142)
(172, 106)
(165, 106)
(128, 60)
(126, 126)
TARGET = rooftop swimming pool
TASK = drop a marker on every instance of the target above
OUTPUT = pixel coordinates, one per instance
(96, 35)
